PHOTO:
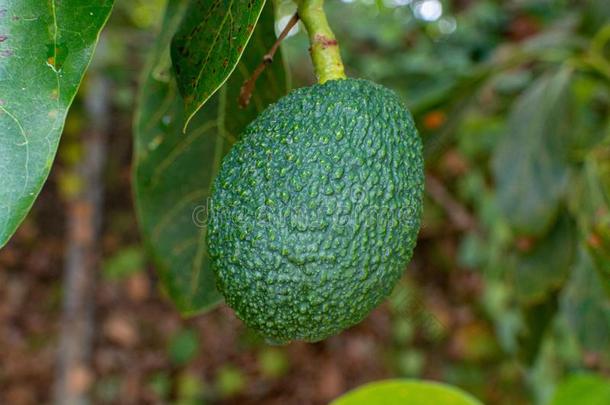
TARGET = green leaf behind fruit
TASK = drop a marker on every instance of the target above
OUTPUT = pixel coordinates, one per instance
(173, 172)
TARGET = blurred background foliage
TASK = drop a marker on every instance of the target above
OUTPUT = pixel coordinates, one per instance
(508, 296)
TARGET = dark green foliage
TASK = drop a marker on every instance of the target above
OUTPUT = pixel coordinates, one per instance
(173, 171)
(208, 45)
(585, 306)
(530, 162)
(316, 211)
(545, 267)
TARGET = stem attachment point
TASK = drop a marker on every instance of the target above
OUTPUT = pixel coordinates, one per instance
(324, 48)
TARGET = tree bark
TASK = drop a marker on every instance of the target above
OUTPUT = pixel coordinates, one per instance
(74, 372)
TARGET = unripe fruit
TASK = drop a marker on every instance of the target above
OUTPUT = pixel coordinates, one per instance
(316, 210)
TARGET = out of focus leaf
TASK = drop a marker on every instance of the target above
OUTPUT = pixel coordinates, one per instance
(191, 389)
(409, 362)
(478, 134)
(124, 263)
(400, 392)
(536, 318)
(602, 157)
(184, 347)
(537, 277)
(512, 82)
(589, 203)
(208, 45)
(160, 383)
(591, 101)
(459, 98)
(597, 13)
(230, 381)
(586, 307)
(546, 266)
(497, 301)
(173, 172)
(599, 248)
(45, 48)
(529, 164)
(273, 362)
(583, 389)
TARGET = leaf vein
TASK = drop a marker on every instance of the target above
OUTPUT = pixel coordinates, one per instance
(207, 57)
(25, 143)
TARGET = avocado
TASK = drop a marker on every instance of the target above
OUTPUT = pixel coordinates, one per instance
(315, 211)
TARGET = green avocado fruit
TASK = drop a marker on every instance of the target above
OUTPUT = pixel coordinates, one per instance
(315, 211)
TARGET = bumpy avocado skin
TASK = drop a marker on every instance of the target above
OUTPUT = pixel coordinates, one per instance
(316, 210)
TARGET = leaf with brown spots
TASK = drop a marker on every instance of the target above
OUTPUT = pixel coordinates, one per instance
(45, 47)
(208, 45)
(173, 172)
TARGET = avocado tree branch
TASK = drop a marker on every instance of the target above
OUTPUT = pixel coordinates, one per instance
(324, 48)
(245, 93)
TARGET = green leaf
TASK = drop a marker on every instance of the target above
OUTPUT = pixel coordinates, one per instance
(586, 307)
(208, 45)
(529, 164)
(599, 238)
(596, 15)
(273, 362)
(583, 389)
(173, 172)
(45, 49)
(536, 321)
(589, 203)
(536, 277)
(124, 263)
(184, 347)
(190, 389)
(230, 381)
(591, 121)
(400, 392)
(599, 248)
(546, 266)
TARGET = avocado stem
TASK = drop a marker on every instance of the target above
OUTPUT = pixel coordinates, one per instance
(324, 48)
(248, 86)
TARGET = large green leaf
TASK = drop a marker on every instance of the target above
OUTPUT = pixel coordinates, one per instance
(401, 392)
(583, 389)
(586, 307)
(173, 172)
(536, 277)
(45, 48)
(530, 163)
(208, 45)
